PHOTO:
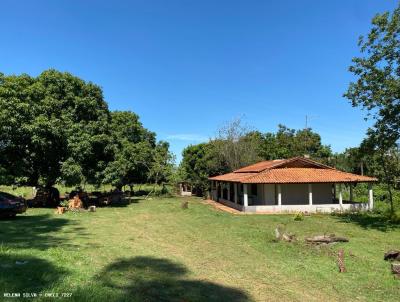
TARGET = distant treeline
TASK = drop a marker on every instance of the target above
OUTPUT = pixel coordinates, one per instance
(238, 145)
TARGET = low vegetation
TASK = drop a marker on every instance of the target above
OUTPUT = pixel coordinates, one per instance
(153, 250)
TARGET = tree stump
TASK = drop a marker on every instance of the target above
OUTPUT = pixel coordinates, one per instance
(185, 205)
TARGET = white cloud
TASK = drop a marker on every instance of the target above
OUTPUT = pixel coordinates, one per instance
(187, 137)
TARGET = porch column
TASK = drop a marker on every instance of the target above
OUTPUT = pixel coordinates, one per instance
(370, 197)
(235, 192)
(340, 195)
(228, 197)
(279, 194)
(351, 192)
(245, 197)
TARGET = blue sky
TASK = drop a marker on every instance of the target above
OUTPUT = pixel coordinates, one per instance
(186, 67)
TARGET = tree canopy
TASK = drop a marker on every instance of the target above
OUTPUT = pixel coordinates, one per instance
(57, 128)
(377, 90)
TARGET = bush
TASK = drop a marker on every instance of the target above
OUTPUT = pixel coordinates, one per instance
(298, 217)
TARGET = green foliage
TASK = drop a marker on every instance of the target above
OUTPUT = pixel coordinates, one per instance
(132, 146)
(298, 216)
(376, 89)
(161, 167)
(287, 143)
(57, 128)
(198, 163)
(49, 120)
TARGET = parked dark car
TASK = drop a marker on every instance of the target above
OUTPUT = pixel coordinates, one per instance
(11, 205)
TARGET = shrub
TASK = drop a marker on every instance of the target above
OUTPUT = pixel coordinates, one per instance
(298, 217)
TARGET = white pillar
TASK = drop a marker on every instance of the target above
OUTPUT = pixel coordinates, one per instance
(370, 197)
(279, 194)
(245, 197)
(340, 195)
(351, 192)
(235, 192)
(310, 194)
(228, 197)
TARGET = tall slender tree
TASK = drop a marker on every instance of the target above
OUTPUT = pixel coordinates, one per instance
(377, 87)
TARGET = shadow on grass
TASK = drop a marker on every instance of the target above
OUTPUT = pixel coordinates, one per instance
(155, 279)
(368, 221)
(125, 202)
(35, 232)
(34, 275)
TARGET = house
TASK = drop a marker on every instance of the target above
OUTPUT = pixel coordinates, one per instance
(289, 185)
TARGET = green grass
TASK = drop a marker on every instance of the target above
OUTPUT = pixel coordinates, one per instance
(153, 250)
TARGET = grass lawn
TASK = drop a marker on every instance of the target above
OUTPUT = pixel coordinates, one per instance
(155, 251)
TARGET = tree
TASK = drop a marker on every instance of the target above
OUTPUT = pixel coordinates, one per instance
(286, 143)
(237, 145)
(162, 164)
(52, 127)
(132, 147)
(198, 163)
(377, 88)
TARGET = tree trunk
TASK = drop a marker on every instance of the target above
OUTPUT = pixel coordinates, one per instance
(388, 183)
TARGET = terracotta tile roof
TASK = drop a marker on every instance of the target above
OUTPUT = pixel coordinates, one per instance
(306, 175)
(294, 170)
(261, 166)
(235, 177)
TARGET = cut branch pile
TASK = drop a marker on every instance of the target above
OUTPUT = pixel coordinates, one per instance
(326, 239)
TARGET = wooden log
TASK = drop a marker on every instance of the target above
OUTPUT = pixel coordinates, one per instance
(392, 255)
(326, 239)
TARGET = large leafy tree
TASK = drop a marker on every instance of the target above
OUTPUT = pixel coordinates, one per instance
(52, 127)
(161, 167)
(198, 163)
(377, 88)
(132, 147)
